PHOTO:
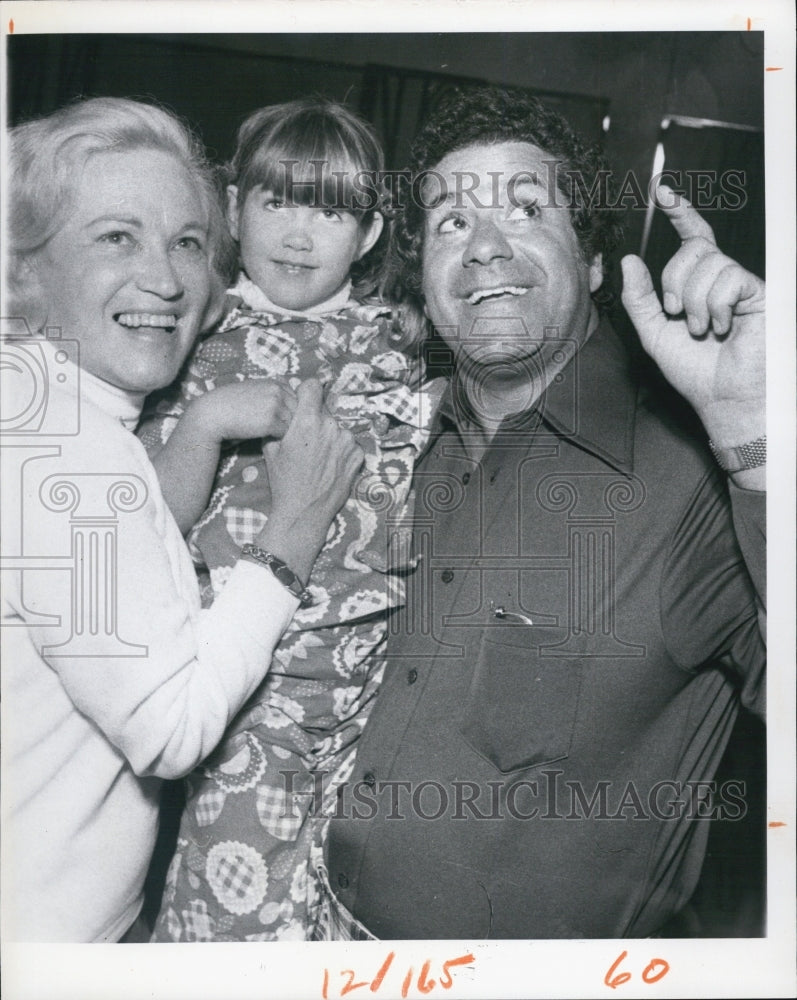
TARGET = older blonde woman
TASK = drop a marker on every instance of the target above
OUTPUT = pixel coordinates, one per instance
(114, 677)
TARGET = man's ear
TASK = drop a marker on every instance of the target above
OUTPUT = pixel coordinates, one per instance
(596, 273)
(232, 209)
(370, 233)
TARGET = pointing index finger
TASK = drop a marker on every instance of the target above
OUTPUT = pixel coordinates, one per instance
(686, 220)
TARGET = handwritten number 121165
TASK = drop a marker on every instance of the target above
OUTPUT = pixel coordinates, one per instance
(425, 982)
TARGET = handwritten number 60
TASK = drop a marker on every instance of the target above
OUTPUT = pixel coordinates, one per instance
(653, 972)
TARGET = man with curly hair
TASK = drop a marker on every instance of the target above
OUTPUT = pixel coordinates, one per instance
(584, 615)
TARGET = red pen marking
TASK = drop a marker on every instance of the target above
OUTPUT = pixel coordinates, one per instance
(406, 985)
(775, 823)
(652, 973)
(650, 976)
(749, 23)
(617, 980)
(325, 987)
(377, 980)
(423, 985)
(445, 980)
(11, 26)
(350, 985)
(773, 69)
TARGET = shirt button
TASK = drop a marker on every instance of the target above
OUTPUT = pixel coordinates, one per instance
(412, 676)
(466, 478)
(342, 881)
(369, 778)
(447, 575)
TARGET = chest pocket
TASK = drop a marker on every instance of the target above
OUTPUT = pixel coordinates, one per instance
(520, 709)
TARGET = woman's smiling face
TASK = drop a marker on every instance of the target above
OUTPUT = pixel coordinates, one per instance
(128, 275)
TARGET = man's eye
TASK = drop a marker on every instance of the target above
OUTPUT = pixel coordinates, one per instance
(529, 210)
(451, 223)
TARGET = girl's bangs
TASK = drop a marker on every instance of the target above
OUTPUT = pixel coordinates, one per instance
(314, 170)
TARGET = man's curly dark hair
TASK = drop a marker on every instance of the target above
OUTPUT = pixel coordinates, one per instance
(484, 115)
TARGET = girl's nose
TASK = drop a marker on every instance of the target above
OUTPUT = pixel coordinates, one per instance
(297, 235)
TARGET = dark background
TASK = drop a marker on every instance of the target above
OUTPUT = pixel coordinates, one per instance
(617, 88)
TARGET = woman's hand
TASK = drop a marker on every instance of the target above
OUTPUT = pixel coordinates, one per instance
(311, 472)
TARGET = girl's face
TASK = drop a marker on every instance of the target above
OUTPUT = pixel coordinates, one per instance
(299, 255)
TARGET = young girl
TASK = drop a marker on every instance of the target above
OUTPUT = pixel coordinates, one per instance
(302, 205)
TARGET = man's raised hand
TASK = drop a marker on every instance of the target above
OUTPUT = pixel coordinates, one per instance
(708, 338)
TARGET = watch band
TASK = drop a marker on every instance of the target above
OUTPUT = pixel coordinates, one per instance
(281, 571)
(751, 455)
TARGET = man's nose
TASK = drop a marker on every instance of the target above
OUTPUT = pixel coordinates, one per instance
(486, 244)
(157, 273)
(297, 235)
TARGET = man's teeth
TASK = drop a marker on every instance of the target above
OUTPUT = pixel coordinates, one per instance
(489, 293)
(146, 319)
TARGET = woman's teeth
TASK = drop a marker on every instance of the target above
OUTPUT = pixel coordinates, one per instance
(147, 319)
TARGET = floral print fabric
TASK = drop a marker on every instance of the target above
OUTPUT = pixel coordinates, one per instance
(252, 830)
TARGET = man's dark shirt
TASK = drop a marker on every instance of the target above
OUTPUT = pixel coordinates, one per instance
(567, 670)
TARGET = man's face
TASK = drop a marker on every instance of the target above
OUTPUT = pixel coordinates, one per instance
(504, 266)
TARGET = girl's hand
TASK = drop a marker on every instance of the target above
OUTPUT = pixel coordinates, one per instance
(311, 472)
(254, 408)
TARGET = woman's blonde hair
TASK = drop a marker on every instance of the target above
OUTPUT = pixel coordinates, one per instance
(46, 156)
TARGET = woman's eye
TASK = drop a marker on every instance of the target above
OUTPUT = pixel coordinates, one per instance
(451, 224)
(529, 210)
(116, 238)
(273, 204)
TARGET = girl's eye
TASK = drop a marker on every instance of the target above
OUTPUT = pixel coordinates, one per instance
(451, 223)
(330, 214)
(116, 239)
(273, 204)
(530, 210)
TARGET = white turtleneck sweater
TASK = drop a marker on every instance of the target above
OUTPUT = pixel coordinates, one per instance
(88, 737)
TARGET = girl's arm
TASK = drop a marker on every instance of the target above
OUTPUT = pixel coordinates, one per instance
(165, 681)
(186, 464)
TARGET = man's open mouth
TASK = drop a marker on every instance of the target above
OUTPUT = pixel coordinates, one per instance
(134, 320)
(482, 294)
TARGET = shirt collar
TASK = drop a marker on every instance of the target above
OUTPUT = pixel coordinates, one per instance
(593, 405)
(255, 298)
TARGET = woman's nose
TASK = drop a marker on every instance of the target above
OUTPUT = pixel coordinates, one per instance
(486, 244)
(157, 273)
